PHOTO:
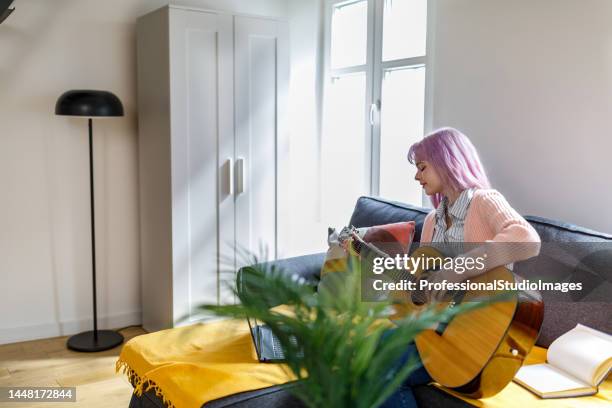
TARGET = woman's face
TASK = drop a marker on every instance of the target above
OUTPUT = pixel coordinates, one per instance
(428, 177)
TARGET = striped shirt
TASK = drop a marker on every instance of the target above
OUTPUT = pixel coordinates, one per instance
(457, 213)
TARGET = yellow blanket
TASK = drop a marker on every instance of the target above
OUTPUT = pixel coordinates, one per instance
(189, 366)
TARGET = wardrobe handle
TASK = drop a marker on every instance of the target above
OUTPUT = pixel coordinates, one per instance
(240, 175)
(230, 176)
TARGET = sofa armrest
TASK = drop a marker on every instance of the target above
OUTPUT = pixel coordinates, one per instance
(305, 266)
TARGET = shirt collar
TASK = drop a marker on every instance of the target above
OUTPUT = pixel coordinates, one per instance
(459, 208)
(441, 210)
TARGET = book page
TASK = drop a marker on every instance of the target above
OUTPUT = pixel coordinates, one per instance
(545, 378)
(580, 352)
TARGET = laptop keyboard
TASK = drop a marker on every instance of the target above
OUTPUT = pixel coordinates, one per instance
(277, 349)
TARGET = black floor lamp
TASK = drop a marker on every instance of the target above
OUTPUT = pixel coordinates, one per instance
(91, 104)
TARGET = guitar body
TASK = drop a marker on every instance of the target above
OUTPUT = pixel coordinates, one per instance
(478, 352)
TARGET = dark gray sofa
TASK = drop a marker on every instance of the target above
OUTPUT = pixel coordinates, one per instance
(561, 311)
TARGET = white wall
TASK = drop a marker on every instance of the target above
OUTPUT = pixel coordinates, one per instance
(531, 83)
(308, 235)
(46, 48)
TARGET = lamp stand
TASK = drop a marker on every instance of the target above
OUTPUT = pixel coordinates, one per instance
(96, 340)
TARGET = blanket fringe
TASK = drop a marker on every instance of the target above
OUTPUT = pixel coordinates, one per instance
(141, 384)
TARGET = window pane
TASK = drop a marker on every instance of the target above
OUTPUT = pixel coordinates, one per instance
(404, 29)
(349, 32)
(402, 119)
(345, 176)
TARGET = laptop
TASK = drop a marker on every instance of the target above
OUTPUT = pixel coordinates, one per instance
(267, 345)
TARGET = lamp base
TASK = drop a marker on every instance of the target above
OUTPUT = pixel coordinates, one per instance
(107, 339)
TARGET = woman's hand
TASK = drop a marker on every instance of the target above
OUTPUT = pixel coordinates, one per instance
(438, 277)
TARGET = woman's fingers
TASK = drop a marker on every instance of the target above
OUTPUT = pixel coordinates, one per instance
(440, 281)
(436, 295)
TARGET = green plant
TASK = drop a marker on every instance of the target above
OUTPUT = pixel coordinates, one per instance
(338, 353)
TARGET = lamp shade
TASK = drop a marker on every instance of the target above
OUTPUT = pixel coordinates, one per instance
(88, 103)
(5, 11)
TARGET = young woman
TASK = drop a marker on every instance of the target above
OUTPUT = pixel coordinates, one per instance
(466, 210)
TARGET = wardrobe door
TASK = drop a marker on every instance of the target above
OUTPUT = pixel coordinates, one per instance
(261, 77)
(202, 141)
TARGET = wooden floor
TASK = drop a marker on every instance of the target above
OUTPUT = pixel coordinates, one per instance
(49, 363)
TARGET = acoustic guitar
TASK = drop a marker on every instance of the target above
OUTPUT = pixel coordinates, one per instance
(478, 352)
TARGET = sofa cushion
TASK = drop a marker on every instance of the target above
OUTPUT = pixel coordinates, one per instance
(371, 211)
(558, 231)
(392, 239)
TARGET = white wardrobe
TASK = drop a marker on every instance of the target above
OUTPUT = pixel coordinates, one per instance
(213, 153)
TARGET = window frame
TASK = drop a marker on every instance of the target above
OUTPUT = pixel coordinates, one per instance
(374, 69)
(367, 68)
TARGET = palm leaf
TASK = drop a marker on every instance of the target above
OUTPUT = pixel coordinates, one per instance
(338, 353)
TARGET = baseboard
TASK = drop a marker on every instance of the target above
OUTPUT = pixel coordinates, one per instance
(67, 328)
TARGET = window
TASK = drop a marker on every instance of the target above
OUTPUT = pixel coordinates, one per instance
(374, 101)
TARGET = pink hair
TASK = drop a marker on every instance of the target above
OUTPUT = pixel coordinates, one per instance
(454, 157)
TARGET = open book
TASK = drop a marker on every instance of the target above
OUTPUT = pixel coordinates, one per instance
(578, 362)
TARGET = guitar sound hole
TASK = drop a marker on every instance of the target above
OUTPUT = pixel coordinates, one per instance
(418, 297)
